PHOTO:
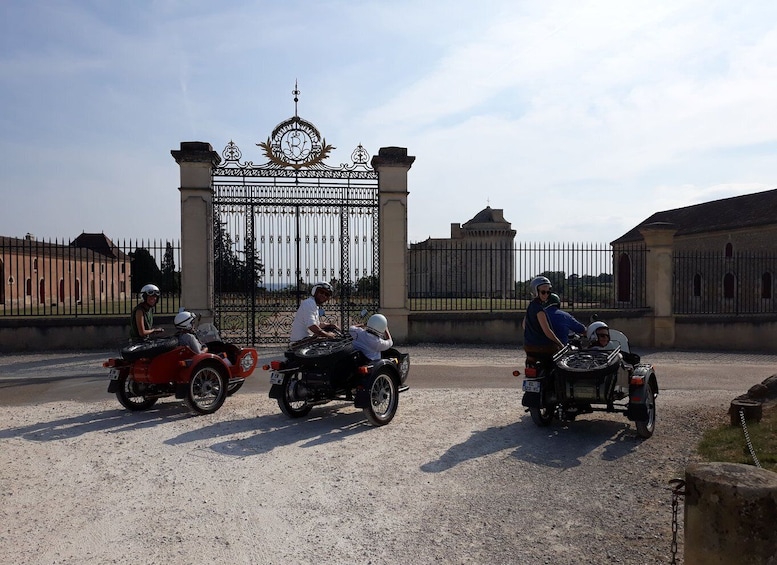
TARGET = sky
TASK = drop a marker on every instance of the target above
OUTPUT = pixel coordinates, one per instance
(577, 118)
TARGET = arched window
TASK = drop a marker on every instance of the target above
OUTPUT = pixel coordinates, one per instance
(729, 284)
(697, 285)
(42, 291)
(729, 250)
(624, 278)
(28, 287)
(766, 286)
(61, 290)
(78, 291)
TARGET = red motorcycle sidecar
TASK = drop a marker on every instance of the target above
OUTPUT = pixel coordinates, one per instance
(156, 369)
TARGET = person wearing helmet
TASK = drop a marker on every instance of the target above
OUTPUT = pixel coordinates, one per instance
(562, 323)
(372, 338)
(184, 323)
(538, 335)
(142, 319)
(598, 334)
(307, 320)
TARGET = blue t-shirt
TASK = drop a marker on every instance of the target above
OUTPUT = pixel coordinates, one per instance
(562, 323)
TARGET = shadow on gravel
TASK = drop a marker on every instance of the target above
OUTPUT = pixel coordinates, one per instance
(111, 421)
(557, 446)
(325, 424)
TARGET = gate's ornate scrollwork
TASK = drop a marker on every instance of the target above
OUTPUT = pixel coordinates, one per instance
(283, 225)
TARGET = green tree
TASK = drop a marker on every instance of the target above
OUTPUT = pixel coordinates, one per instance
(170, 278)
(144, 270)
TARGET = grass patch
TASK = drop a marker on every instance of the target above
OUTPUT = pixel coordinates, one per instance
(727, 443)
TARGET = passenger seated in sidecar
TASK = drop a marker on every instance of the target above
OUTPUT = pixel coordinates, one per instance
(600, 336)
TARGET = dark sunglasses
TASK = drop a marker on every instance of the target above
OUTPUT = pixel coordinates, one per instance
(545, 291)
(603, 335)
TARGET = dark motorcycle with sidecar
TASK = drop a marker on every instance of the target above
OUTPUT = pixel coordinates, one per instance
(581, 380)
(318, 371)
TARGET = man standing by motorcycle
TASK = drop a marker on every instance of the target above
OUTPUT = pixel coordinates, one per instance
(307, 320)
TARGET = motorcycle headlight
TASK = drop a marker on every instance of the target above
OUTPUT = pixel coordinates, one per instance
(247, 362)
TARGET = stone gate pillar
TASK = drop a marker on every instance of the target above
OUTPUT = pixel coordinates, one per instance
(659, 241)
(196, 160)
(392, 165)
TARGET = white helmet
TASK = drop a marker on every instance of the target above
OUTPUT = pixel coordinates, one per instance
(591, 331)
(149, 290)
(536, 282)
(322, 285)
(377, 324)
(184, 320)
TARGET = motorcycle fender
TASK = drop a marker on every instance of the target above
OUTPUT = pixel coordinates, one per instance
(532, 400)
(362, 398)
(276, 391)
(113, 386)
(637, 412)
(181, 390)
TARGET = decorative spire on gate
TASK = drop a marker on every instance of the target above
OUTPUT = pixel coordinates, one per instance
(296, 143)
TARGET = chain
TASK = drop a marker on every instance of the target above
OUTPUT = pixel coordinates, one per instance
(747, 437)
(677, 492)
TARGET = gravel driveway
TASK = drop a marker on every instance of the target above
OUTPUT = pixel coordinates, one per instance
(459, 476)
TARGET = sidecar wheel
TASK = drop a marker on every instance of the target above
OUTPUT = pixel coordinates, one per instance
(207, 390)
(646, 429)
(129, 397)
(384, 399)
(542, 416)
(292, 408)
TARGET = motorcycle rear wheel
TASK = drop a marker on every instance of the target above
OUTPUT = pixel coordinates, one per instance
(542, 416)
(129, 398)
(292, 408)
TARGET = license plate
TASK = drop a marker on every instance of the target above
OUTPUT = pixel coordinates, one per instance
(114, 374)
(531, 386)
(276, 378)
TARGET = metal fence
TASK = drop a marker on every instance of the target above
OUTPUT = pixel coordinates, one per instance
(715, 283)
(88, 276)
(453, 276)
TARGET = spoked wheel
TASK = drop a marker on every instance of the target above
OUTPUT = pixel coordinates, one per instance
(287, 402)
(590, 362)
(384, 399)
(542, 416)
(207, 390)
(130, 397)
(646, 429)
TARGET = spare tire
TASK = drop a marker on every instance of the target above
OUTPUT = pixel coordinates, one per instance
(588, 363)
(148, 349)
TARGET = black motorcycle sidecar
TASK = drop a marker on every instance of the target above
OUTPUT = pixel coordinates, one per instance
(325, 370)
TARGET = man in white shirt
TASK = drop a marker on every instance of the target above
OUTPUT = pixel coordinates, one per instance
(307, 320)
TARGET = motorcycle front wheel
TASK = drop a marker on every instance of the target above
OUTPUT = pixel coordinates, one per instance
(128, 396)
(646, 429)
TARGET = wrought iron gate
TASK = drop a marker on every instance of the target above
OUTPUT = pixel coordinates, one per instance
(282, 226)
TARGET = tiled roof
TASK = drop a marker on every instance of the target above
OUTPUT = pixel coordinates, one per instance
(750, 210)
